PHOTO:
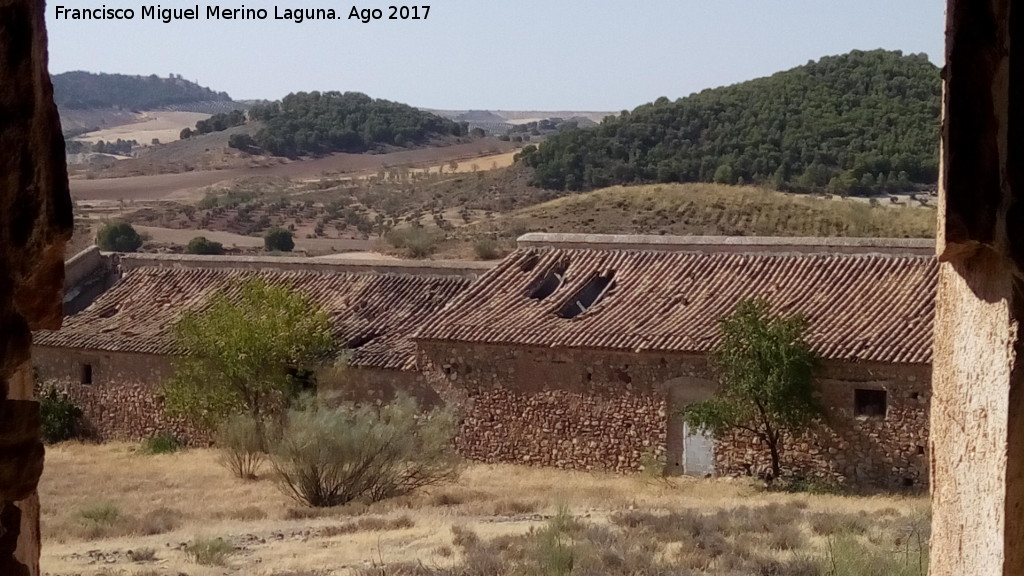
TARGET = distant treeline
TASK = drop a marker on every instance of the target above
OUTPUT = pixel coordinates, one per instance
(860, 123)
(119, 146)
(216, 123)
(86, 90)
(319, 123)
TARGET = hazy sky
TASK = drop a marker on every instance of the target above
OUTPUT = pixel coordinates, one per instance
(503, 54)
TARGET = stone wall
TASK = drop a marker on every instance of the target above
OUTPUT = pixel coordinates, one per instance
(376, 385)
(883, 451)
(604, 410)
(122, 402)
(570, 409)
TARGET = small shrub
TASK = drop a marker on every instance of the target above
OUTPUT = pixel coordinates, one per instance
(59, 416)
(118, 237)
(464, 537)
(241, 446)
(278, 240)
(208, 202)
(161, 443)
(847, 556)
(209, 551)
(102, 513)
(553, 552)
(368, 524)
(514, 507)
(415, 242)
(331, 456)
(444, 551)
(158, 521)
(200, 245)
(486, 249)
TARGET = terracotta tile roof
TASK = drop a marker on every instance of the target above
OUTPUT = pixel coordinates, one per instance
(137, 314)
(869, 307)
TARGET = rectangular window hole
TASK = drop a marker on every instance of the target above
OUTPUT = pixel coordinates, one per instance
(871, 403)
(86, 375)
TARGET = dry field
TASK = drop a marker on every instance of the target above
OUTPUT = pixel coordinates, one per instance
(311, 246)
(164, 125)
(724, 210)
(112, 510)
(187, 185)
(701, 209)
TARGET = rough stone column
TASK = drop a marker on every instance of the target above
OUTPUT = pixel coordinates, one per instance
(977, 418)
(35, 222)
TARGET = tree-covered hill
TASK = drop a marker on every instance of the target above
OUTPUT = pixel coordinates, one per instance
(859, 123)
(319, 123)
(86, 90)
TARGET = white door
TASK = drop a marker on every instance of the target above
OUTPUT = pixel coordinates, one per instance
(698, 452)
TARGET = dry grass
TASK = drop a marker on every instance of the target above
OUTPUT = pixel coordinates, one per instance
(706, 209)
(494, 514)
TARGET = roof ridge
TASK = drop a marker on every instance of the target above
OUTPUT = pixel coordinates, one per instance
(715, 244)
(295, 263)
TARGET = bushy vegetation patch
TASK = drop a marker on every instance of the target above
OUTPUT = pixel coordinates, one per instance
(60, 417)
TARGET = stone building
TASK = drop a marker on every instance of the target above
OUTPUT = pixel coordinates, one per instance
(112, 354)
(580, 351)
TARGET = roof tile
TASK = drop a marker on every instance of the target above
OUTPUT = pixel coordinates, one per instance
(870, 307)
(138, 313)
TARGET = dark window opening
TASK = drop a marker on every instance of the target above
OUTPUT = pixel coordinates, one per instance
(86, 376)
(552, 281)
(588, 296)
(915, 396)
(869, 403)
(908, 482)
(528, 264)
(360, 340)
(920, 450)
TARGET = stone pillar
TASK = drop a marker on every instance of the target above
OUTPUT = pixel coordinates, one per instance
(977, 410)
(35, 223)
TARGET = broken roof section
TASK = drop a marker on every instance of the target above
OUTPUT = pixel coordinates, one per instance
(873, 302)
(373, 306)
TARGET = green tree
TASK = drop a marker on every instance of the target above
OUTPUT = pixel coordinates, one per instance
(245, 353)
(723, 175)
(241, 141)
(118, 236)
(765, 370)
(278, 240)
(200, 245)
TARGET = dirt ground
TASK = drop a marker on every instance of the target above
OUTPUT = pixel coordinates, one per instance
(187, 185)
(114, 510)
(164, 125)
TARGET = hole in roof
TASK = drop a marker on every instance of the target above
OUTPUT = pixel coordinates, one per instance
(529, 263)
(552, 281)
(359, 341)
(589, 295)
(108, 312)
